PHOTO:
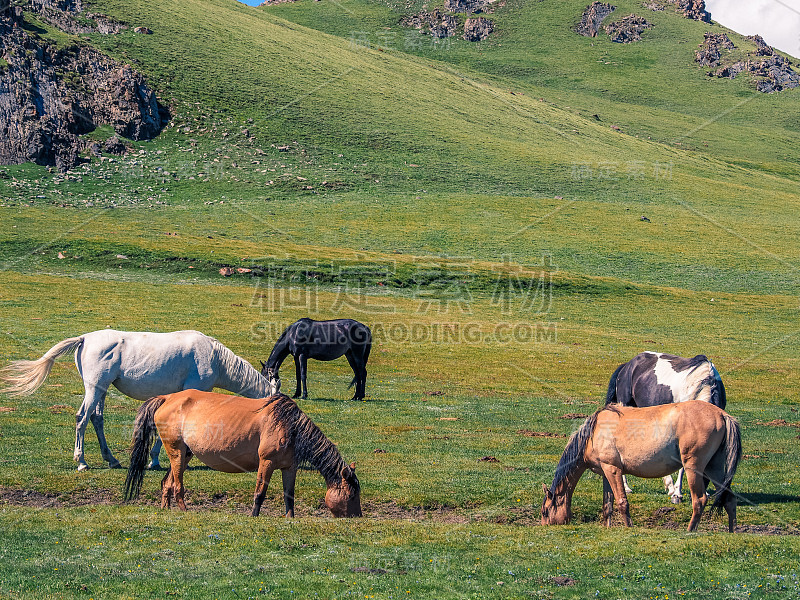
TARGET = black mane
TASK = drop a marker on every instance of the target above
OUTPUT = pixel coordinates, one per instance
(573, 453)
(312, 450)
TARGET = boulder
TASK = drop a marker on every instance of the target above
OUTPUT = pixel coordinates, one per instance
(709, 53)
(477, 29)
(592, 18)
(693, 9)
(434, 23)
(628, 29)
(762, 48)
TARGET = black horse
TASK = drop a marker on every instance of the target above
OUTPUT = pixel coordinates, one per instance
(652, 378)
(321, 340)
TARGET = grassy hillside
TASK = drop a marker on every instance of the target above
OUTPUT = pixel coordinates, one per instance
(508, 248)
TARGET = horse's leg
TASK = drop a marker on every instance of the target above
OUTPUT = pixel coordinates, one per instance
(154, 463)
(179, 455)
(628, 489)
(730, 508)
(614, 476)
(694, 477)
(360, 372)
(608, 502)
(92, 398)
(303, 366)
(289, 476)
(298, 375)
(166, 488)
(265, 469)
(97, 422)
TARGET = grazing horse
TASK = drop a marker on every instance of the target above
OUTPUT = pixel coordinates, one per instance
(321, 340)
(651, 378)
(649, 442)
(240, 435)
(140, 365)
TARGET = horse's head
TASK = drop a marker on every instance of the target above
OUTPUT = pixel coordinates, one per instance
(273, 378)
(555, 508)
(343, 498)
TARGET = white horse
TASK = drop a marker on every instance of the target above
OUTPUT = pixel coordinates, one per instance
(140, 365)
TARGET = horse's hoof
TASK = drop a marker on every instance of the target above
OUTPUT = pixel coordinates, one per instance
(676, 499)
(154, 467)
(83, 467)
(115, 465)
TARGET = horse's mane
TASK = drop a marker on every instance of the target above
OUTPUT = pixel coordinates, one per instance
(573, 453)
(312, 450)
(239, 371)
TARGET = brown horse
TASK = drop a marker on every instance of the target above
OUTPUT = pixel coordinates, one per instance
(649, 442)
(239, 435)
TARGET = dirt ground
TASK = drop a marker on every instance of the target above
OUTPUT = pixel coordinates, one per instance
(526, 516)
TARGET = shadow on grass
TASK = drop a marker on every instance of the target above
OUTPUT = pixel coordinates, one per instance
(761, 498)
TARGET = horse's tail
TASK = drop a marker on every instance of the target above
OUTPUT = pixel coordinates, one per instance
(611, 394)
(23, 377)
(733, 454)
(718, 397)
(144, 434)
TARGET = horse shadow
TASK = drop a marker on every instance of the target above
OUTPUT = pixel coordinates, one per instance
(762, 498)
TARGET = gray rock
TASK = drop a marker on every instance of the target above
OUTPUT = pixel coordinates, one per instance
(592, 18)
(50, 96)
(477, 29)
(628, 29)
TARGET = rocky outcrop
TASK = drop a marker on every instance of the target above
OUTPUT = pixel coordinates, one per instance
(709, 53)
(468, 6)
(762, 48)
(628, 29)
(693, 9)
(592, 18)
(434, 23)
(68, 15)
(50, 96)
(771, 71)
(477, 29)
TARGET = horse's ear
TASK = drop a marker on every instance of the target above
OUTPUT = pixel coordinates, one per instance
(263, 364)
(547, 492)
(353, 467)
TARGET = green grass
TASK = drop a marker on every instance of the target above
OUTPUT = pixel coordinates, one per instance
(465, 203)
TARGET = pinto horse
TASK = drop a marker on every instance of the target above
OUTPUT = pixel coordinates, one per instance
(321, 340)
(240, 435)
(649, 442)
(140, 365)
(651, 378)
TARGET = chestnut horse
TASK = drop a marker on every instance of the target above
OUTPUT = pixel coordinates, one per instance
(649, 442)
(239, 435)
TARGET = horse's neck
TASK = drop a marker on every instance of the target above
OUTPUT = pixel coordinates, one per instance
(568, 484)
(279, 353)
(238, 376)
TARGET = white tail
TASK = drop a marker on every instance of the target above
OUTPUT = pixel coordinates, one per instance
(23, 377)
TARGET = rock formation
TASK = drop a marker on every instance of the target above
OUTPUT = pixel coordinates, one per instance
(628, 29)
(467, 6)
(709, 52)
(477, 29)
(693, 9)
(68, 15)
(51, 95)
(434, 23)
(771, 71)
(592, 18)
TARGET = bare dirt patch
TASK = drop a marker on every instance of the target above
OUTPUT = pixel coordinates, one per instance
(573, 416)
(544, 434)
(778, 423)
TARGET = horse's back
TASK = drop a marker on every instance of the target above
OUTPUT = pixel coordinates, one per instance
(653, 378)
(222, 431)
(142, 364)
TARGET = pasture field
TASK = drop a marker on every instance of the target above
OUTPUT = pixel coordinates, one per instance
(508, 249)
